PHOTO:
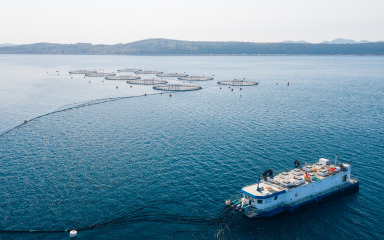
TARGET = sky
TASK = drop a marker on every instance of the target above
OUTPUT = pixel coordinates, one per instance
(123, 21)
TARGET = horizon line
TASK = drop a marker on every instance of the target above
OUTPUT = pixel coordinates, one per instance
(352, 41)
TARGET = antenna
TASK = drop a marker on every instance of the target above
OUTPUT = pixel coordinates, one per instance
(258, 185)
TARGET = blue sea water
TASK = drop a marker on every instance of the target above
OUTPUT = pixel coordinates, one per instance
(160, 167)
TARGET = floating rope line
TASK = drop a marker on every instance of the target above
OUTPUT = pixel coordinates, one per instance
(73, 106)
(153, 213)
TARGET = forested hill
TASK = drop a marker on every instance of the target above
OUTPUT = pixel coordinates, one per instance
(176, 47)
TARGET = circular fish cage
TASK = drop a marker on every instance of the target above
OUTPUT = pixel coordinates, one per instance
(100, 74)
(147, 82)
(148, 72)
(172, 75)
(129, 70)
(81, 72)
(177, 87)
(123, 77)
(195, 78)
(238, 83)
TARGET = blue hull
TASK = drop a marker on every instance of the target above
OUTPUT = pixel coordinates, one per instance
(354, 187)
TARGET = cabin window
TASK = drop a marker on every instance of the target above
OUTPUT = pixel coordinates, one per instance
(260, 201)
(276, 197)
(344, 178)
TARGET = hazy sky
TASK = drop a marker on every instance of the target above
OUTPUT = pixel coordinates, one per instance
(119, 21)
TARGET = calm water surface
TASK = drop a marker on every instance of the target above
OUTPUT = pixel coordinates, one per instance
(161, 167)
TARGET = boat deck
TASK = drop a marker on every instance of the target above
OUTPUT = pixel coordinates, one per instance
(269, 187)
(265, 189)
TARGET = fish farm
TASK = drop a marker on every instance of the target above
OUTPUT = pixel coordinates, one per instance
(81, 72)
(99, 74)
(195, 78)
(238, 83)
(148, 72)
(172, 75)
(129, 70)
(123, 77)
(147, 82)
(177, 87)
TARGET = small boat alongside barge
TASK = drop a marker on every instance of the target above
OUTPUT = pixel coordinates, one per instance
(300, 187)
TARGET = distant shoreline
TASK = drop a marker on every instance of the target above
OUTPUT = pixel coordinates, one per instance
(166, 47)
(207, 55)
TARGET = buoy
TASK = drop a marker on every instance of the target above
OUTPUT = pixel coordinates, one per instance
(89, 81)
(220, 87)
(25, 121)
(161, 93)
(170, 95)
(72, 233)
(241, 89)
(232, 89)
(130, 86)
(277, 83)
(145, 94)
(117, 87)
(288, 84)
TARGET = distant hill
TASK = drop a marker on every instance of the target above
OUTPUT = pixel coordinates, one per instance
(176, 47)
(344, 41)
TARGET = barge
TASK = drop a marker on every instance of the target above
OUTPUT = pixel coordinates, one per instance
(301, 187)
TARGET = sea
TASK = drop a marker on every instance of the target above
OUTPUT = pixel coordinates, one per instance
(121, 161)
